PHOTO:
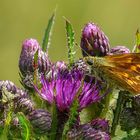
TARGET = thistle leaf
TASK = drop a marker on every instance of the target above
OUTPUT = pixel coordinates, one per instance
(136, 48)
(47, 35)
(25, 126)
(71, 43)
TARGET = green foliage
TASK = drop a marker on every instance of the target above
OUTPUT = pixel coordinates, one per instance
(47, 35)
(5, 130)
(70, 40)
(25, 126)
(7, 97)
(137, 44)
(134, 135)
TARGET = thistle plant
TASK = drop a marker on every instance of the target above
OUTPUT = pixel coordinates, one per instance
(55, 94)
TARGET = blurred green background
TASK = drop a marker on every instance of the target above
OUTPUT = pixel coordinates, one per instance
(21, 19)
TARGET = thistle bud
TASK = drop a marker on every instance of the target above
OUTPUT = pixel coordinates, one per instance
(78, 132)
(128, 119)
(94, 42)
(24, 105)
(86, 132)
(9, 86)
(100, 124)
(40, 120)
(74, 134)
(94, 134)
(26, 63)
(29, 48)
(119, 50)
(9, 91)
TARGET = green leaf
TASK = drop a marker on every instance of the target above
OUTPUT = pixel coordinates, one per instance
(47, 35)
(136, 48)
(71, 43)
(25, 126)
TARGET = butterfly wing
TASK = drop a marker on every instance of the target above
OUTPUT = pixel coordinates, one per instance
(130, 61)
(125, 70)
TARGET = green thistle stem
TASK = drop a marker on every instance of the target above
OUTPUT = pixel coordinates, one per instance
(106, 106)
(54, 123)
(117, 113)
(73, 114)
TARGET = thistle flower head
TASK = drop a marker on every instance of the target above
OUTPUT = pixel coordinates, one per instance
(65, 85)
(9, 91)
(29, 48)
(24, 104)
(10, 86)
(101, 124)
(119, 50)
(40, 120)
(27, 64)
(94, 42)
(94, 134)
(88, 132)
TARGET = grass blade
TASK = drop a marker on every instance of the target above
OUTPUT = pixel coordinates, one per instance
(47, 35)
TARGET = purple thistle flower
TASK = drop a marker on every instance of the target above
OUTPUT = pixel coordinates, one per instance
(94, 42)
(64, 85)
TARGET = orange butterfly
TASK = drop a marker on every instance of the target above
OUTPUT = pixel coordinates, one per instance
(122, 70)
